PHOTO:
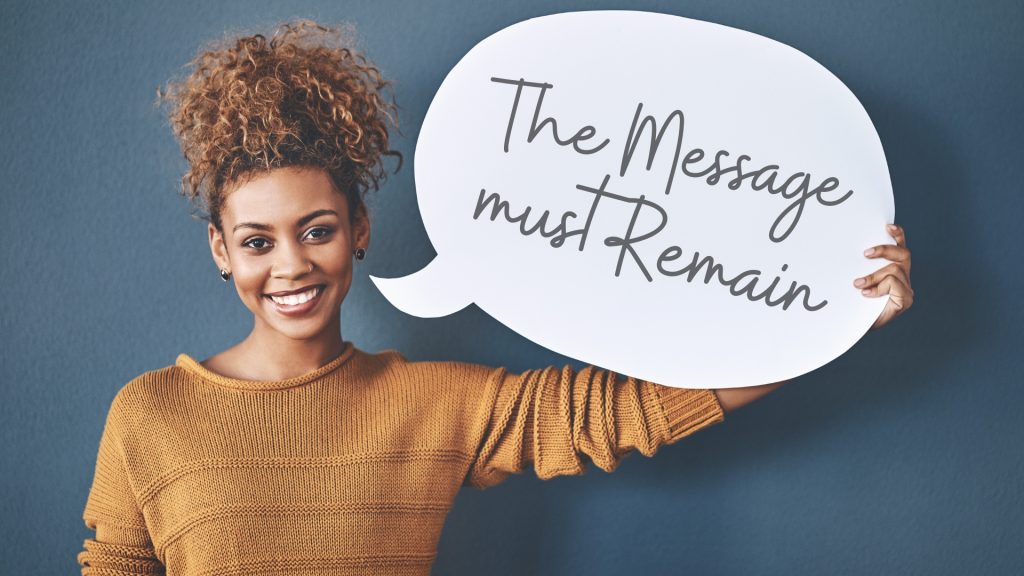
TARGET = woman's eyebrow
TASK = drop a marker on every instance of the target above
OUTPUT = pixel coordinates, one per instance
(302, 221)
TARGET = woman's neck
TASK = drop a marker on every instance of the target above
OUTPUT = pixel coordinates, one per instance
(269, 355)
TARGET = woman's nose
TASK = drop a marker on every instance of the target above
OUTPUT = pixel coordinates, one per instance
(291, 262)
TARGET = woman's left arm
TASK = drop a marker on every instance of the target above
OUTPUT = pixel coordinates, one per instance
(892, 280)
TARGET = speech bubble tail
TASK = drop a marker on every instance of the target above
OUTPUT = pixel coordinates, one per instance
(430, 293)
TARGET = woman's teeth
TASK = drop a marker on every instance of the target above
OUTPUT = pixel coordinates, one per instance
(295, 299)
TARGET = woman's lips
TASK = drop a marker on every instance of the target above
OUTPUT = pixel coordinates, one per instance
(295, 310)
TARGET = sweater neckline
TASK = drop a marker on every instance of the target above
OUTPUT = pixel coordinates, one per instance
(192, 365)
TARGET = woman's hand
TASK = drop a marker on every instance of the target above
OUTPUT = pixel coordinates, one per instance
(893, 279)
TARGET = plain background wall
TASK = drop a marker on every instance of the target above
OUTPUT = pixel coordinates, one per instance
(903, 456)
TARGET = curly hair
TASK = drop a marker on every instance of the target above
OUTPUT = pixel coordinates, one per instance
(303, 98)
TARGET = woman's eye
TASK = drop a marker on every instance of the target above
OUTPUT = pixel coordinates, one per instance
(257, 243)
(319, 233)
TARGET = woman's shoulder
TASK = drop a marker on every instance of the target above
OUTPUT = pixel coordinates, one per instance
(155, 382)
(395, 359)
(451, 382)
(141, 396)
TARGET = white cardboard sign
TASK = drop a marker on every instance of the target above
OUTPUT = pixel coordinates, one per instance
(667, 198)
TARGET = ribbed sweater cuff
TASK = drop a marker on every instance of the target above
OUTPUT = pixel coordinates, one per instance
(687, 411)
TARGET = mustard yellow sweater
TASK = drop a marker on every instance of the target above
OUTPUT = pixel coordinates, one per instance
(351, 468)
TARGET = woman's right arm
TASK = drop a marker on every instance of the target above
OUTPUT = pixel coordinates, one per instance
(122, 544)
(733, 398)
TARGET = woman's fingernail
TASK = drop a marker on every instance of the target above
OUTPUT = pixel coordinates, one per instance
(865, 292)
(869, 251)
(893, 227)
(858, 282)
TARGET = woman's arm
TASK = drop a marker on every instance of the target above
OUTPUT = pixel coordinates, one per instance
(733, 398)
(557, 420)
(122, 545)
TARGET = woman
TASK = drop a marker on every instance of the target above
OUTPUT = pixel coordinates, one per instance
(293, 451)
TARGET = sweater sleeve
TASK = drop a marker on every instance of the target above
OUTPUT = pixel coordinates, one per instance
(122, 544)
(552, 418)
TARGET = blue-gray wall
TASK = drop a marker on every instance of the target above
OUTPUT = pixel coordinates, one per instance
(904, 456)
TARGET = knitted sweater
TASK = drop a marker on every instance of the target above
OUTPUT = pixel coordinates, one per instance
(350, 468)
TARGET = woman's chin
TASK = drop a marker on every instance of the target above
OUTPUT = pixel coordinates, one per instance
(308, 329)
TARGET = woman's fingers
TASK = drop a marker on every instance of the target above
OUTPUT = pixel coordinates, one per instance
(877, 276)
(901, 298)
(892, 280)
(901, 295)
(896, 231)
(898, 254)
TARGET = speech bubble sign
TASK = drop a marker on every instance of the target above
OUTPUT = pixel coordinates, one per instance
(671, 199)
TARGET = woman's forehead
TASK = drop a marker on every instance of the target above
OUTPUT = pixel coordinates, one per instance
(283, 195)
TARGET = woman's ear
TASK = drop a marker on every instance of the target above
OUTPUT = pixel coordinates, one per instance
(218, 249)
(361, 228)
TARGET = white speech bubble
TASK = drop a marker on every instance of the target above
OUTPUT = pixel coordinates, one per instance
(787, 241)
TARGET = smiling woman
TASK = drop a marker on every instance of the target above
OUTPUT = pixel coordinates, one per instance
(274, 131)
(288, 241)
(294, 451)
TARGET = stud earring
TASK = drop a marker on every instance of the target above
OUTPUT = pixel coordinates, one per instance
(360, 253)
(224, 274)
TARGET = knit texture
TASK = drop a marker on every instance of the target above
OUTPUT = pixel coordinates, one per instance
(348, 469)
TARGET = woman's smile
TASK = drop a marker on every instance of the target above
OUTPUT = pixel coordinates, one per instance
(296, 303)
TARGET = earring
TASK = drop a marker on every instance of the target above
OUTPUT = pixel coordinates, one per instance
(224, 274)
(360, 253)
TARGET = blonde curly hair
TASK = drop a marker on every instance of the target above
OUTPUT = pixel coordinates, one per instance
(303, 98)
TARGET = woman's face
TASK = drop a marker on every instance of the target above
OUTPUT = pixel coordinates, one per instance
(288, 244)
